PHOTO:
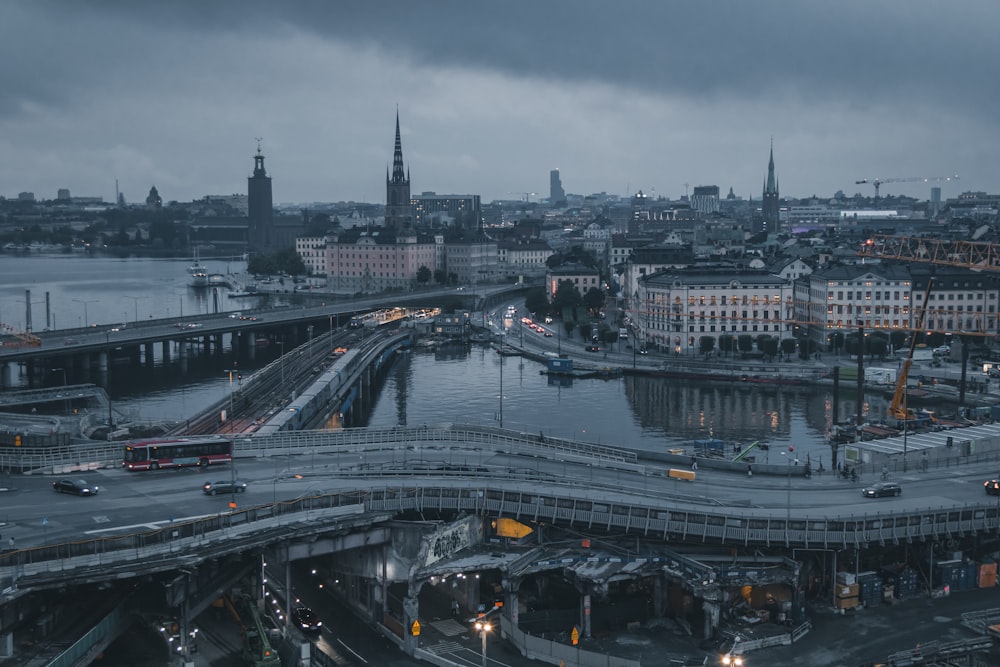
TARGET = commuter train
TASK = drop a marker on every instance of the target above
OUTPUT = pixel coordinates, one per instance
(329, 392)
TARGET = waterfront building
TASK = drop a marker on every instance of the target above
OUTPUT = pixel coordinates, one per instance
(522, 257)
(472, 260)
(359, 260)
(843, 298)
(583, 278)
(674, 310)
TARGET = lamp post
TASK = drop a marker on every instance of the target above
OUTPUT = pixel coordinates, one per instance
(502, 358)
(135, 304)
(788, 475)
(482, 627)
(86, 319)
(111, 419)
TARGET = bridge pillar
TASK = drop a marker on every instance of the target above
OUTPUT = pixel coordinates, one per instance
(218, 343)
(182, 352)
(511, 587)
(150, 355)
(166, 351)
(206, 344)
(4, 375)
(712, 613)
(411, 612)
(659, 597)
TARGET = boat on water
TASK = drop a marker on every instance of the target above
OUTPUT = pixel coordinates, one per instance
(197, 272)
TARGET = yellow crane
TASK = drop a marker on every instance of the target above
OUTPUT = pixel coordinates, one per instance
(897, 409)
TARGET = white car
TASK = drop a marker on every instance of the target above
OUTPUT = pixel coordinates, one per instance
(944, 350)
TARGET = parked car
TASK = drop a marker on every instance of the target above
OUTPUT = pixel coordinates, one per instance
(71, 341)
(593, 348)
(992, 487)
(226, 486)
(944, 350)
(78, 486)
(880, 489)
(306, 619)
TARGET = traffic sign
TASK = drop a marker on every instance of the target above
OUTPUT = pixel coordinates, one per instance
(415, 628)
(575, 635)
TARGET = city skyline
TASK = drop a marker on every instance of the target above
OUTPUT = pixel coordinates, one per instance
(638, 96)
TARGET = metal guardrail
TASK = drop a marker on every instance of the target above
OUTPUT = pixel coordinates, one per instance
(226, 533)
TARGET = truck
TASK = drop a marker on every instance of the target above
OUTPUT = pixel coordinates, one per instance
(923, 354)
(623, 333)
(880, 375)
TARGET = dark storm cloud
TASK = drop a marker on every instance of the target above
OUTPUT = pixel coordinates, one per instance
(865, 51)
(620, 94)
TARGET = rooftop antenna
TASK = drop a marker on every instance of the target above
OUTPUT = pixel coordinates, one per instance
(258, 140)
(686, 190)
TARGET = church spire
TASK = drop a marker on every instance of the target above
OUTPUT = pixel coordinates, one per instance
(398, 177)
(771, 187)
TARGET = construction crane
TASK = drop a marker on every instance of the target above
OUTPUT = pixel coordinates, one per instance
(897, 408)
(877, 182)
(974, 255)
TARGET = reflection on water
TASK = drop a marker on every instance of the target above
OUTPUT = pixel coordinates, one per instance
(640, 412)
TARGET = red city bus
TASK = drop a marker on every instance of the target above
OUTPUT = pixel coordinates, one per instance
(177, 452)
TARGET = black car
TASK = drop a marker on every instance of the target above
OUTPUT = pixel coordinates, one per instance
(880, 489)
(212, 488)
(78, 486)
(992, 487)
(306, 619)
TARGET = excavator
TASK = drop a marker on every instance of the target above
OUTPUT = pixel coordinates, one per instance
(898, 411)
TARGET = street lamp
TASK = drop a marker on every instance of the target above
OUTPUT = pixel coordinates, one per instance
(86, 320)
(788, 502)
(482, 627)
(135, 303)
(502, 358)
(111, 419)
(281, 343)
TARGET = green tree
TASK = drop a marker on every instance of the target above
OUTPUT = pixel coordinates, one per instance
(787, 346)
(593, 300)
(566, 296)
(726, 343)
(535, 300)
(440, 277)
(706, 344)
(423, 275)
(745, 343)
(769, 346)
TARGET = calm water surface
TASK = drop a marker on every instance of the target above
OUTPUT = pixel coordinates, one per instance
(461, 384)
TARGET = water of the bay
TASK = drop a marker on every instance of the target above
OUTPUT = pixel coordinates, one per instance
(457, 384)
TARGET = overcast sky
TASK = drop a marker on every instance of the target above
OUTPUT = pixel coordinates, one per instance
(618, 95)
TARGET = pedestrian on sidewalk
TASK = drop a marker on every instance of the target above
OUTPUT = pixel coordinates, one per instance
(694, 463)
(749, 470)
(454, 608)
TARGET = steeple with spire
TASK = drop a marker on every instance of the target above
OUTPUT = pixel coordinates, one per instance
(770, 208)
(260, 205)
(398, 208)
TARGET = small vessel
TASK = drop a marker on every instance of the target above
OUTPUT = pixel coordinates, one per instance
(198, 273)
